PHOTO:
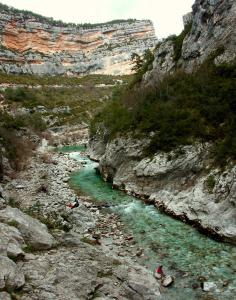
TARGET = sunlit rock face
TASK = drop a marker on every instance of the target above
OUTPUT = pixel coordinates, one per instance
(30, 44)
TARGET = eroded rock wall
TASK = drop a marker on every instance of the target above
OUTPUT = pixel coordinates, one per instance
(30, 45)
(182, 183)
(210, 27)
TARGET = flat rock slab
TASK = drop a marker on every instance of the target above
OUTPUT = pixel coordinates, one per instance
(34, 232)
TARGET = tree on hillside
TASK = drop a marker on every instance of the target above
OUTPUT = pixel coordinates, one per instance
(142, 64)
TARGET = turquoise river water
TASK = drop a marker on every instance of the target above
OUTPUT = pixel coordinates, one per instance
(180, 248)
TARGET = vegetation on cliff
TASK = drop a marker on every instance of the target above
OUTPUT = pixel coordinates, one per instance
(179, 110)
(178, 41)
(142, 64)
(28, 14)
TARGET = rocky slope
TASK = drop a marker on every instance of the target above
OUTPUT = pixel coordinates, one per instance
(208, 28)
(36, 45)
(64, 261)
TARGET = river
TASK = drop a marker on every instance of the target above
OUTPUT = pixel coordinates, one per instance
(184, 252)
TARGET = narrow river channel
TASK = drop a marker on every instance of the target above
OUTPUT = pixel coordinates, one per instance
(180, 248)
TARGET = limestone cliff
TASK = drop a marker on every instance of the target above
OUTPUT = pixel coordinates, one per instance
(32, 44)
(208, 28)
(182, 184)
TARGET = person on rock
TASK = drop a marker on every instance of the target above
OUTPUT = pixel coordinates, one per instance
(73, 204)
(159, 272)
(166, 280)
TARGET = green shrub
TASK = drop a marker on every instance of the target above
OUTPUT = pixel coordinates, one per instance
(22, 95)
(210, 183)
(181, 109)
(12, 223)
(141, 65)
(13, 202)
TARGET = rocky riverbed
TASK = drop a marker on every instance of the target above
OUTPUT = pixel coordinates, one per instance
(49, 251)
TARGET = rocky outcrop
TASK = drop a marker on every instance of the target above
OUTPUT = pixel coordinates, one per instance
(208, 28)
(182, 183)
(11, 241)
(36, 45)
(34, 232)
(11, 277)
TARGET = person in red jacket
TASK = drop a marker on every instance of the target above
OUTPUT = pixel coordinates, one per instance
(74, 204)
(159, 272)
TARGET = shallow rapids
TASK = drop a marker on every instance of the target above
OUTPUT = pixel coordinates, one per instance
(185, 253)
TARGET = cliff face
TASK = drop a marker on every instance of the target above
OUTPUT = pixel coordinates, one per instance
(181, 184)
(33, 45)
(208, 28)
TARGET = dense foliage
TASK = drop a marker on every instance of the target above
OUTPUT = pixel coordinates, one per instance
(29, 79)
(179, 110)
(142, 64)
(14, 140)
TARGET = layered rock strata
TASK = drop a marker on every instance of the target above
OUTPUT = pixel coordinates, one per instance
(29, 44)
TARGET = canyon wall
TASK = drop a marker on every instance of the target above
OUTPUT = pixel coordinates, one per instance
(182, 184)
(36, 45)
(208, 28)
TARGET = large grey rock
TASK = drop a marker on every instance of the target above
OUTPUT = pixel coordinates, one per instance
(34, 232)
(5, 296)
(140, 284)
(11, 277)
(11, 241)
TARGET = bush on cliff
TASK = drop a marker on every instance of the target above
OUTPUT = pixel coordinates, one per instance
(179, 110)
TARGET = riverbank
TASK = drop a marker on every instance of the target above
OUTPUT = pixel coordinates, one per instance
(192, 258)
(183, 183)
(71, 263)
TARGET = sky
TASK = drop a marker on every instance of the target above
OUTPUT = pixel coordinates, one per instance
(165, 14)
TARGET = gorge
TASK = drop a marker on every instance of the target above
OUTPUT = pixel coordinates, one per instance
(150, 157)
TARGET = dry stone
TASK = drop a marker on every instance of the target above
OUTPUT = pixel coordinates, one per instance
(34, 232)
